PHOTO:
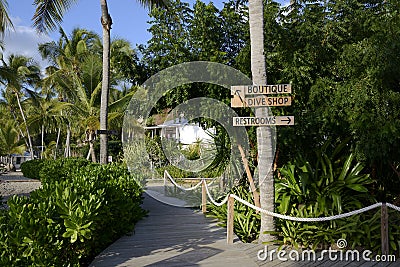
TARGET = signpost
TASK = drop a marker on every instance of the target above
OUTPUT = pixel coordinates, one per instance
(255, 96)
(109, 132)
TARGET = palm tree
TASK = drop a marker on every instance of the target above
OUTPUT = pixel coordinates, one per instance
(264, 134)
(5, 21)
(64, 74)
(26, 74)
(9, 139)
(49, 13)
(46, 115)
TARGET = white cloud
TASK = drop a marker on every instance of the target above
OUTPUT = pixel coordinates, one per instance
(24, 40)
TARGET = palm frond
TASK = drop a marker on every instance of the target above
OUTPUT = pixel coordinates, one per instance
(154, 3)
(5, 21)
(49, 13)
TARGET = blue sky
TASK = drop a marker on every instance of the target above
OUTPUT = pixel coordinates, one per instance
(129, 22)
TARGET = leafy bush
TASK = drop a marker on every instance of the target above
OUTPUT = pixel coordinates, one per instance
(175, 172)
(31, 168)
(70, 220)
(331, 185)
(246, 220)
(61, 169)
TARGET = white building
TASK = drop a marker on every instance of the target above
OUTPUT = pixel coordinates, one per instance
(182, 131)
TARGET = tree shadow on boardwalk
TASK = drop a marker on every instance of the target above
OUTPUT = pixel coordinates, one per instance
(172, 236)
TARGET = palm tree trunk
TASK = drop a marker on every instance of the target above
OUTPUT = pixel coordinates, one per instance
(91, 151)
(41, 155)
(67, 151)
(26, 125)
(264, 134)
(57, 141)
(106, 23)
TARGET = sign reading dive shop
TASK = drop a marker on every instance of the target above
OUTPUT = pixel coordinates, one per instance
(263, 121)
(260, 101)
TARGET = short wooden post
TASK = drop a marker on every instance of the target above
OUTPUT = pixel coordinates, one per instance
(230, 219)
(384, 229)
(203, 197)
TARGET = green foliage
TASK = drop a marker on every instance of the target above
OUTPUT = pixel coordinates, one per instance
(332, 184)
(175, 172)
(32, 168)
(58, 170)
(246, 221)
(71, 218)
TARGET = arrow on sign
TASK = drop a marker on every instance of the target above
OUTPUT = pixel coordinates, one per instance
(288, 120)
(263, 121)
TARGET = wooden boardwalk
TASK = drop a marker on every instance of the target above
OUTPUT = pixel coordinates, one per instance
(173, 236)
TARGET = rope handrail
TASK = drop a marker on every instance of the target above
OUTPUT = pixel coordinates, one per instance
(299, 219)
(166, 174)
(192, 178)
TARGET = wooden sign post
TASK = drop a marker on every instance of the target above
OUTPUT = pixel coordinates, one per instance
(256, 96)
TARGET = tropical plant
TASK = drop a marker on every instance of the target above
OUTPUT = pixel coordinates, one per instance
(332, 184)
(246, 220)
(46, 115)
(50, 13)
(5, 21)
(19, 74)
(72, 217)
(75, 77)
(9, 139)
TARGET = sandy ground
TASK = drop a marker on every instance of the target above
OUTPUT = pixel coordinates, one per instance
(14, 183)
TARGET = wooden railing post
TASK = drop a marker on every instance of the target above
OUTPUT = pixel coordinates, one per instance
(230, 219)
(203, 197)
(384, 229)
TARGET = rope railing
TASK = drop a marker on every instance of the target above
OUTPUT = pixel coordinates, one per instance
(167, 175)
(229, 198)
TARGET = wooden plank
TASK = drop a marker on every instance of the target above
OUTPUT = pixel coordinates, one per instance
(203, 197)
(384, 229)
(173, 236)
(230, 220)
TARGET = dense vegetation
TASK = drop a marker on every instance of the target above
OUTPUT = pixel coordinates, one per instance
(81, 208)
(340, 56)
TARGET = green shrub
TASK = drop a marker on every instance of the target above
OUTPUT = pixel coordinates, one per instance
(175, 172)
(332, 184)
(61, 169)
(246, 223)
(31, 168)
(70, 220)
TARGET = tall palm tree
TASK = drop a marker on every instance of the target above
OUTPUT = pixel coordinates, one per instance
(26, 74)
(49, 14)
(264, 134)
(63, 76)
(46, 115)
